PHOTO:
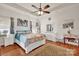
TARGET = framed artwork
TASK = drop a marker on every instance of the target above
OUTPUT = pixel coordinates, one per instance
(49, 28)
(25, 23)
(67, 25)
(38, 26)
(21, 22)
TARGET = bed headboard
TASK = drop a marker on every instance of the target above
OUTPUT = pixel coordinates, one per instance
(23, 31)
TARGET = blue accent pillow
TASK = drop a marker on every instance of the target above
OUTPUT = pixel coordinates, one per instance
(17, 36)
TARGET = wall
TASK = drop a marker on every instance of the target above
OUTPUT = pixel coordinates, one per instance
(6, 12)
(61, 16)
(68, 14)
(44, 21)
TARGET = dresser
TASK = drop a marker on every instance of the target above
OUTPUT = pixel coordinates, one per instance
(71, 37)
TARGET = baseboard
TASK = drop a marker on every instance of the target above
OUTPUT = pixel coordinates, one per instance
(51, 40)
(2, 45)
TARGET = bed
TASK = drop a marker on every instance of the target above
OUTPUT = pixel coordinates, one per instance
(30, 41)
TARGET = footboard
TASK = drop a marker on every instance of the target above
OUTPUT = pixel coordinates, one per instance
(34, 45)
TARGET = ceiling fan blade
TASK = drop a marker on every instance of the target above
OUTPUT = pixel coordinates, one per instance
(35, 7)
(46, 12)
(47, 6)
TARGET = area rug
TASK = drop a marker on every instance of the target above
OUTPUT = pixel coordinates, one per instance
(52, 50)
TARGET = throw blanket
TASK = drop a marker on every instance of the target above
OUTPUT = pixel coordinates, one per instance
(34, 38)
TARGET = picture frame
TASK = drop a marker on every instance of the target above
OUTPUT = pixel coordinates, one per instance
(69, 24)
(49, 28)
(21, 22)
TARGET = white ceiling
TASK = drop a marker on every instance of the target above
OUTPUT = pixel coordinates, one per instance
(27, 7)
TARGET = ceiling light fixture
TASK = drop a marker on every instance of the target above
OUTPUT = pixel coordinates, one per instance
(40, 11)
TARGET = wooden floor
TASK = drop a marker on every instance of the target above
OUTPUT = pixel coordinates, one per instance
(12, 50)
(69, 46)
(17, 51)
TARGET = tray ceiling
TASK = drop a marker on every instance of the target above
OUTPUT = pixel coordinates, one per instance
(27, 7)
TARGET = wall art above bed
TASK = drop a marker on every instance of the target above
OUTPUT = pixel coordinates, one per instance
(21, 22)
(69, 24)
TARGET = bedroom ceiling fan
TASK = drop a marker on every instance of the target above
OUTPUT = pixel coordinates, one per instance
(41, 10)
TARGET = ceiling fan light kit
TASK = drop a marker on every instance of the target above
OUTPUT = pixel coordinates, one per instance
(40, 11)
